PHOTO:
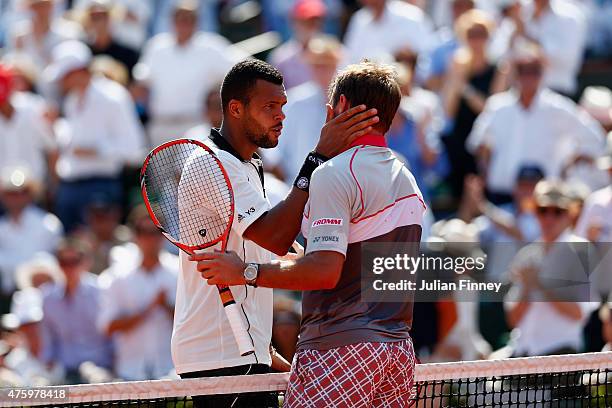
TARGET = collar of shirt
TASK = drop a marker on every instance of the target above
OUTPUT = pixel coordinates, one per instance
(370, 140)
(222, 143)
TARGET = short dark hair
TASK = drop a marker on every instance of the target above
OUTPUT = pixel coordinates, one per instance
(373, 85)
(241, 79)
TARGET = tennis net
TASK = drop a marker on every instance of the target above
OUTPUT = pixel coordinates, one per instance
(582, 380)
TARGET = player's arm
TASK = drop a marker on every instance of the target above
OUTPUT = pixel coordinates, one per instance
(315, 271)
(276, 229)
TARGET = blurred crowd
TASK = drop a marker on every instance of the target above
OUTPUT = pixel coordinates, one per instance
(504, 122)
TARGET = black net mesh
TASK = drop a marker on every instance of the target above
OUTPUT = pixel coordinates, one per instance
(188, 194)
(559, 382)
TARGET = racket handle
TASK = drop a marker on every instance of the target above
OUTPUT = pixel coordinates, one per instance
(234, 315)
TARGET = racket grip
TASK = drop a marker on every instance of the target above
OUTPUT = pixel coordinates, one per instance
(238, 328)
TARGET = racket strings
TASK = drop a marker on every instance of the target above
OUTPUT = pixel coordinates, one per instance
(189, 194)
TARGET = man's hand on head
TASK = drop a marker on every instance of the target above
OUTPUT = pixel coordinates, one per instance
(220, 268)
(339, 132)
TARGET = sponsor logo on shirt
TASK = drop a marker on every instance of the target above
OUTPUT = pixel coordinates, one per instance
(327, 221)
(246, 214)
(328, 238)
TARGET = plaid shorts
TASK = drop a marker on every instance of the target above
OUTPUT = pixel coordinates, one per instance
(357, 375)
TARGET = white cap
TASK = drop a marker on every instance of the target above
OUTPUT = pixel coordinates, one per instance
(26, 307)
(66, 57)
(597, 101)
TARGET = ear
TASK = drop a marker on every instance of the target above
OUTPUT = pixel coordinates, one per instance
(343, 104)
(235, 108)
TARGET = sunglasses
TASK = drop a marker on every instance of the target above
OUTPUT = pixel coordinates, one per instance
(529, 70)
(556, 211)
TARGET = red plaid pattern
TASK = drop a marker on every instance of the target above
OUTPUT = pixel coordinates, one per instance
(357, 375)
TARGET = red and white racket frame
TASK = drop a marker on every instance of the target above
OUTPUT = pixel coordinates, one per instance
(232, 310)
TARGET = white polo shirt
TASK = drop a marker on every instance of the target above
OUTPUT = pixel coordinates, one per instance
(26, 138)
(179, 77)
(547, 134)
(202, 338)
(142, 353)
(401, 25)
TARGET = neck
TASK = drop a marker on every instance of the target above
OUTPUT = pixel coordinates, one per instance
(183, 39)
(527, 98)
(374, 138)
(40, 27)
(238, 141)
(540, 8)
(377, 11)
(15, 215)
(6, 110)
(102, 39)
(149, 261)
(71, 286)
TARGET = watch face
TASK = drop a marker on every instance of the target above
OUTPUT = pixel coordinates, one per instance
(302, 182)
(250, 272)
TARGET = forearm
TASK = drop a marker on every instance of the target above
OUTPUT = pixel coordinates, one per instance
(126, 323)
(571, 310)
(306, 273)
(276, 230)
(516, 313)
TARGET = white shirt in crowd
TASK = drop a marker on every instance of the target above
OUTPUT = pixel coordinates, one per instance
(131, 29)
(401, 25)
(543, 329)
(597, 212)
(561, 32)
(202, 337)
(179, 77)
(21, 40)
(142, 353)
(36, 231)
(305, 115)
(547, 134)
(106, 121)
(26, 138)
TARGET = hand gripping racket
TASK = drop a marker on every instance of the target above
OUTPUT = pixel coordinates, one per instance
(190, 199)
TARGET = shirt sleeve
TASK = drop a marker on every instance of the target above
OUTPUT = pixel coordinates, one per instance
(249, 202)
(109, 303)
(481, 132)
(330, 212)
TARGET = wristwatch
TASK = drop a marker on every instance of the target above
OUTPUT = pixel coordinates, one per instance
(250, 274)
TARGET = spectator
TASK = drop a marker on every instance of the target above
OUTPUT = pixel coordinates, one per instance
(38, 271)
(600, 29)
(130, 21)
(414, 134)
(70, 310)
(530, 125)
(138, 305)
(471, 78)
(201, 58)
(382, 27)
(307, 17)
(559, 28)
(605, 314)
(25, 136)
(595, 224)
(37, 37)
(25, 229)
(212, 115)
(100, 35)
(305, 110)
(24, 358)
(547, 322)
(433, 67)
(101, 135)
(103, 231)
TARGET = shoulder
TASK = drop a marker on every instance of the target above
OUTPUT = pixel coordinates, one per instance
(406, 11)
(301, 94)
(159, 42)
(210, 40)
(557, 101)
(110, 90)
(501, 101)
(335, 171)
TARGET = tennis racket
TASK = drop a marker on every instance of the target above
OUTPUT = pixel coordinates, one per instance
(190, 199)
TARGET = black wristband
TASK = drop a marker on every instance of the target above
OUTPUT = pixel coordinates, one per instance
(313, 160)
